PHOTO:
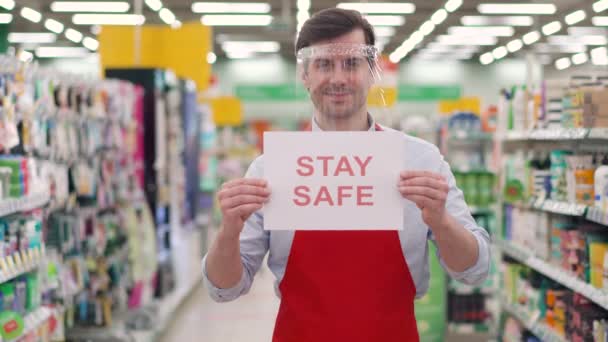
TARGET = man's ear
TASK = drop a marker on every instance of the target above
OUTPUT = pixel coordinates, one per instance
(305, 79)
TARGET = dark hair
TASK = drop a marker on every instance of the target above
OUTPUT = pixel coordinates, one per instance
(331, 23)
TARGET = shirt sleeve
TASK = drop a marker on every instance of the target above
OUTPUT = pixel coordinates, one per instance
(457, 207)
(254, 243)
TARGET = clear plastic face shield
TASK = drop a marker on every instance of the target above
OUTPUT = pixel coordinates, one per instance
(338, 79)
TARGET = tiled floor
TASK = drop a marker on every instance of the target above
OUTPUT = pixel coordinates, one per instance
(249, 318)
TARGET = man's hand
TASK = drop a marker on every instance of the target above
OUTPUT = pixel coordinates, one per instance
(239, 199)
(429, 192)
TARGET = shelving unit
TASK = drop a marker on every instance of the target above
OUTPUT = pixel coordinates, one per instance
(16, 205)
(558, 134)
(18, 264)
(33, 321)
(531, 322)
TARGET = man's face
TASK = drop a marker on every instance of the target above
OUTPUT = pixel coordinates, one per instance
(339, 81)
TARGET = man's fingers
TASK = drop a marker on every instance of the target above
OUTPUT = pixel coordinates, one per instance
(243, 190)
(423, 191)
(413, 174)
(420, 201)
(245, 210)
(233, 202)
(438, 184)
(244, 181)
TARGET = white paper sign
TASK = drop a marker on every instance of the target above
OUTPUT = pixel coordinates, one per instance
(333, 180)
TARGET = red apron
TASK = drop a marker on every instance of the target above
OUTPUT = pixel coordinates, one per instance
(346, 286)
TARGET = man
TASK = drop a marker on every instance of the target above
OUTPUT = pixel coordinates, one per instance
(347, 285)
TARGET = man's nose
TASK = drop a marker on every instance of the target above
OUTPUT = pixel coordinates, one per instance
(339, 74)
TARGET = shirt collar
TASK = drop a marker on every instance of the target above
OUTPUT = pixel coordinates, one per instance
(370, 121)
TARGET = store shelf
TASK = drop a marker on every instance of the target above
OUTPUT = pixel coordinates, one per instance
(597, 215)
(557, 274)
(472, 136)
(30, 202)
(462, 289)
(556, 207)
(18, 264)
(33, 321)
(481, 210)
(598, 133)
(468, 328)
(531, 322)
(563, 134)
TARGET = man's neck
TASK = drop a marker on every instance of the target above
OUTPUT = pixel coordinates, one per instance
(357, 122)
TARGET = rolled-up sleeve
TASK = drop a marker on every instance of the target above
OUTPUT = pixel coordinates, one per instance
(457, 207)
(254, 243)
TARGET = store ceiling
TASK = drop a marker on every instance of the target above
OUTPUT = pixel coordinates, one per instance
(283, 28)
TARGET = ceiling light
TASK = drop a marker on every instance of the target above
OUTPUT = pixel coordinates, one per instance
(486, 58)
(108, 19)
(499, 52)
(551, 28)
(90, 43)
(25, 56)
(303, 5)
(587, 40)
(439, 16)
(453, 5)
(154, 5)
(379, 7)
(6, 18)
(176, 24)
(416, 38)
(166, 16)
(600, 6)
(563, 63)
(385, 20)
(31, 15)
(230, 7)
(240, 55)
(580, 58)
(464, 40)
(515, 45)
(96, 29)
(73, 35)
(252, 46)
(496, 31)
(523, 8)
(599, 21)
(211, 58)
(8, 4)
(395, 57)
(236, 20)
(427, 28)
(57, 52)
(90, 6)
(53, 26)
(559, 49)
(531, 37)
(442, 47)
(599, 56)
(384, 31)
(575, 17)
(586, 31)
(31, 37)
(520, 20)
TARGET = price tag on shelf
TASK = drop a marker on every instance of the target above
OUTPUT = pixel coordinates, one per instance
(11, 265)
(598, 133)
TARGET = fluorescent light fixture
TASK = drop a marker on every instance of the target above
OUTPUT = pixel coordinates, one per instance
(500, 52)
(599, 21)
(580, 58)
(176, 24)
(551, 28)
(464, 40)
(394, 57)
(25, 56)
(90, 43)
(496, 31)
(384, 31)
(416, 38)
(61, 52)
(563, 63)
(31, 15)
(6, 18)
(166, 16)
(586, 40)
(452, 5)
(445, 48)
(531, 37)
(439, 16)
(575, 17)
(31, 37)
(599, 56)
(522, 8)
(108, 19)
(73, 35)
(154, 5)
(230, 7)
(252, 46)
(240, 55)
(379, 7)
(479, 20)
(303, 5)
(427, 28)
(8, 4)
(559, 49)
(96, 29)
(385, 20)
(236, 20)
(600, 6)
(515, 45)
(90, 6)
(586, 31)
(211, 58)
(53, 26)
(486, 58)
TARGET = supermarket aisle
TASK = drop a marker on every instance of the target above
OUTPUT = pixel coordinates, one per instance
(251, 318)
